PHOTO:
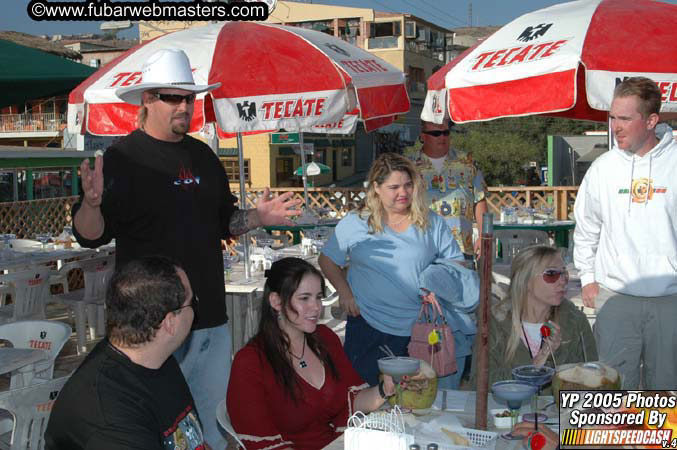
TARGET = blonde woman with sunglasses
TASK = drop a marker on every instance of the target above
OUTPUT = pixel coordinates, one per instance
(538, 283)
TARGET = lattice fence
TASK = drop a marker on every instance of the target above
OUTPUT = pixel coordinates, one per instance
(562, 198)
(27, 218)
(336, 201)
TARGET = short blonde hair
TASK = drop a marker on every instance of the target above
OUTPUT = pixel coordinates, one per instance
(381, 169)
(646, 90)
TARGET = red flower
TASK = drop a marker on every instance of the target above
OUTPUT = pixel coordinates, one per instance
(545, 331)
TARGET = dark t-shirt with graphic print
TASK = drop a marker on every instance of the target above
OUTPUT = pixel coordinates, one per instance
(111, 403)
(170, 199)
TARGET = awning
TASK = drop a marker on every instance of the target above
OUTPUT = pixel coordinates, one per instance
(28, 74)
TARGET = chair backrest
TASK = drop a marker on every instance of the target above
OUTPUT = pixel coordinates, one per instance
(24, 243)
(30, 290)
(46, 335)
(30, 407)
(224, 421)
(512, 241)
(97, 272)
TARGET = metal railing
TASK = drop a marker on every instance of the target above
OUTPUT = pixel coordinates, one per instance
(12, 123)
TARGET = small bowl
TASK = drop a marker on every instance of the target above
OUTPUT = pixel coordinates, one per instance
(501, 422)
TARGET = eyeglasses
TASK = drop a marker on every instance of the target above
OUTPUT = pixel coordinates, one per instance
(551, 276)
(194, 301)
(437, 133)
(175, 99)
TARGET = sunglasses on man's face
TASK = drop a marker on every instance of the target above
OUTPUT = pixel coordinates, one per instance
(551, 276)
(175, 99)
(436, 133)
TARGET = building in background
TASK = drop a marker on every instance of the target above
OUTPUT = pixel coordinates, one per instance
(96, 52)
(34, 86)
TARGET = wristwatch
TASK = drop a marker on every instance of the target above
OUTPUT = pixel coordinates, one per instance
(381, 390)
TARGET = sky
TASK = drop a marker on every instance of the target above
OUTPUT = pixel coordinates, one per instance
(447, 13)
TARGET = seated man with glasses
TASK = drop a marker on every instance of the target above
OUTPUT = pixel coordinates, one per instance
(517, 337)
(129, 392)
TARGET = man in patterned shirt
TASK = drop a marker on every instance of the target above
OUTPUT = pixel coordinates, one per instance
(455, 187)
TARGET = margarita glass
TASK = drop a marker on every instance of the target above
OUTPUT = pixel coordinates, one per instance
(514, 393)
(538, 376)
(398, 367)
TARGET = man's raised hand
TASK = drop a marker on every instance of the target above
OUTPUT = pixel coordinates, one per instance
(277, 210)
(92, 182)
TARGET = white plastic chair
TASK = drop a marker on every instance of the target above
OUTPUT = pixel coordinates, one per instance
(46, 335)
(30, 408)
(29, 288)
(25, 243)
(224, 421)
(512, 241)
(88, 304)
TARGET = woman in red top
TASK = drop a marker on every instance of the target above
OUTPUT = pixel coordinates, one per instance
(292, 385)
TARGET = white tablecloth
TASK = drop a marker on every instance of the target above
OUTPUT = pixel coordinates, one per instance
(416, 423)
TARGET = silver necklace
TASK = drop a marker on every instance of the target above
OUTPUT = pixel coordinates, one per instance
(302, 362)
(398, 222)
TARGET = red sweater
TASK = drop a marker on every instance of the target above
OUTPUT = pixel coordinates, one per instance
(265, 417)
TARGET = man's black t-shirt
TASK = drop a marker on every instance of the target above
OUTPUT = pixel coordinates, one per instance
(170, 199)
(111, 403)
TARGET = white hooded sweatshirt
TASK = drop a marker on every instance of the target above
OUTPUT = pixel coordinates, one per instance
(626, 221)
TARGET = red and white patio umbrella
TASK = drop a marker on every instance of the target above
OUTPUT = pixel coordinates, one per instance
(564, 60)
(272, 77)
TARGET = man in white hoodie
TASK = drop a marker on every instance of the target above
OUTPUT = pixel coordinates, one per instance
(626, 241)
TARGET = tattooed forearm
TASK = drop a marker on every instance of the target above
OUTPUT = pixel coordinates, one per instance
(243, 221)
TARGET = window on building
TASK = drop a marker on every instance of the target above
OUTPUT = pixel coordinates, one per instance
(320, 156)
(233, 169)
(349, 30)
(384, 34)
(410, 29)
(51, 183)
(385, 29)
(347, 157)
(416, 79)
(324, 26)
(284, 169)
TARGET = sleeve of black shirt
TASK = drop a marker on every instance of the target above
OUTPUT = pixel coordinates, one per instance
(228, 204)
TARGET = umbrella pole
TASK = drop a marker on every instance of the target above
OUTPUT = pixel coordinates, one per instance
(482, 340)
(243, 205)
(303, 171)
(213, 138)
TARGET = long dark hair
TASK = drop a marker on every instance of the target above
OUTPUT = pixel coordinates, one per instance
(284, 278)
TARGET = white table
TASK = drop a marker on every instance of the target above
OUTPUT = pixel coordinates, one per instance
(13, 259)
(21, 359)
(467, 419)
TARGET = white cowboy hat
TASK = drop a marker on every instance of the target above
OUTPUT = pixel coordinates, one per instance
(164, 69)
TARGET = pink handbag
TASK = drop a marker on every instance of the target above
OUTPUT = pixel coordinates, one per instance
(441, 355)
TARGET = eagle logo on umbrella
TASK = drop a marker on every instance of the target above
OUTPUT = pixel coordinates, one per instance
(531, 33)
(247, 111)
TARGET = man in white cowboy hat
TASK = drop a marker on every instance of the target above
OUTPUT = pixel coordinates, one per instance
(159, 191)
